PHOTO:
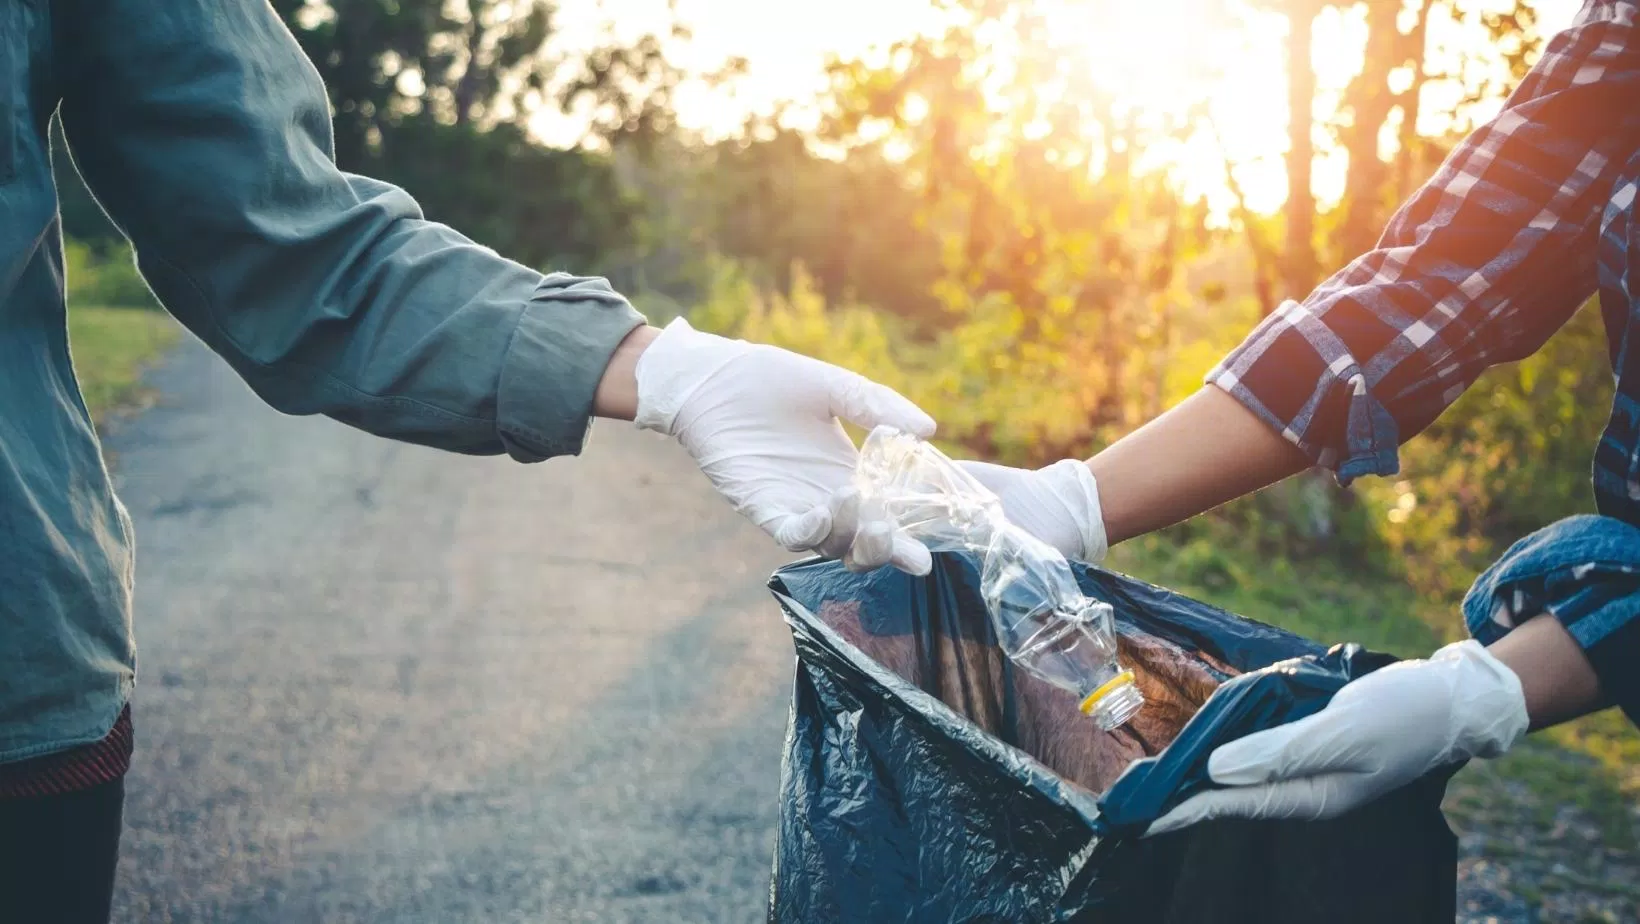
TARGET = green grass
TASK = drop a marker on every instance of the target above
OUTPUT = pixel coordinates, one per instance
(1318, 599)
(110, 347)
(1592, 764)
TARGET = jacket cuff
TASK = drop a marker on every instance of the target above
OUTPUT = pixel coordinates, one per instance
(564, 340)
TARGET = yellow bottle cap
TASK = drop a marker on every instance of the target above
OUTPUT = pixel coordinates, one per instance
(1120, 680)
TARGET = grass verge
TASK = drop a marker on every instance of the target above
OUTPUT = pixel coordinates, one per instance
(111, 346)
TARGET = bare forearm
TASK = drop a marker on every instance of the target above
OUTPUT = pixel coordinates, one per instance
(1204, 452)
(1555, 675)
(617, 394)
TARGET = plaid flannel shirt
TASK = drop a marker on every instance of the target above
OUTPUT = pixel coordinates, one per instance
(1526, 218)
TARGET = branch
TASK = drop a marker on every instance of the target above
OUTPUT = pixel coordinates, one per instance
(1264, 258)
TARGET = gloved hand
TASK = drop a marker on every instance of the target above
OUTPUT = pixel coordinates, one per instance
(762, 424)
(1058, 504)
(1378, 733)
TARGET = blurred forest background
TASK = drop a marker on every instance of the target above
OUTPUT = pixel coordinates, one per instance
(1036, 219)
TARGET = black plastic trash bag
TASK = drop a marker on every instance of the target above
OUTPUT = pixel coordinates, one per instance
(926, 778)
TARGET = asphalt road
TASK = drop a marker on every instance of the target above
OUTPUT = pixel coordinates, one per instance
(382, 683)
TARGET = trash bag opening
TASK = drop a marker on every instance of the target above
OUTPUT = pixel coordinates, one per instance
(924, 780)
(951, 653)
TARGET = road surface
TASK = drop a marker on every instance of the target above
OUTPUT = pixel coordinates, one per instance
(383, 683)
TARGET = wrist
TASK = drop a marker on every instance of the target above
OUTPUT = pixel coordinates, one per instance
(617, 394)
(1556, 679)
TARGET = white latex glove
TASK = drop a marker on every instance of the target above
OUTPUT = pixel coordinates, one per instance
(1058, 504)
(762, 424)
(1378, 733)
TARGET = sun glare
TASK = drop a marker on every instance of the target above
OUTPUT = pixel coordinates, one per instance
(1158, 58)
(1227, 61)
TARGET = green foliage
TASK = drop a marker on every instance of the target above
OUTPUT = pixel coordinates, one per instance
(800, 319)
(1511, 456)
(990, 374)
(104, 273)
(769, 202)
(114, 327)
(471, 61)
(1321, 599)
(475, 63)
(434, 97)
(576, 216)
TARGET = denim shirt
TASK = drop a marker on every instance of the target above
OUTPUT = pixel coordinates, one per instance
(205, 133)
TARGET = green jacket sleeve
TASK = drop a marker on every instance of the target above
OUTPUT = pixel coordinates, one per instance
(205, 132)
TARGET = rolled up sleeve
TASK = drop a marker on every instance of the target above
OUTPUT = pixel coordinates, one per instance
(205, 132)
(571, 325)
(1480, 266)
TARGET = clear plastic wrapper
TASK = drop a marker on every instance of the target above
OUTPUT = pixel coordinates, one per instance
(1042, 619)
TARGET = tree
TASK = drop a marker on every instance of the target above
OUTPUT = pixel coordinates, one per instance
(434, 95)
(1368, 102)
(1058, 260)
(459, 62)
(1394, 74)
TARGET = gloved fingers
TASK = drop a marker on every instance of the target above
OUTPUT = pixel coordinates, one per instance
(865, 403)
(801, 532)
(1198, 808)
(865, 539)
(1321, 743)
(911, 556)
(878, 544)
(1309, 798)
(845, 522)
(872, 548)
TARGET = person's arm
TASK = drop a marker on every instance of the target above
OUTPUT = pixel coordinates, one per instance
(1558, 683)
(1208, 450)
(205, 132)
(617, 394)
(1480, 266)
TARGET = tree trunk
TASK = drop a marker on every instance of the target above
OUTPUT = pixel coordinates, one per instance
(1369, 101)
(1411, 102)
(1299, 274)
(467, 88)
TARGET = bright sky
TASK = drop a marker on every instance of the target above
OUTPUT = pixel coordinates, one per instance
(786, 45)
(1144, 48)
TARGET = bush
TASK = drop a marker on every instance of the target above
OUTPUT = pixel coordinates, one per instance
(104, 274)
(1002, 384)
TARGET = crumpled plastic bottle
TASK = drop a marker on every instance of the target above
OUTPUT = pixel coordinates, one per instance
(1042, 619)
